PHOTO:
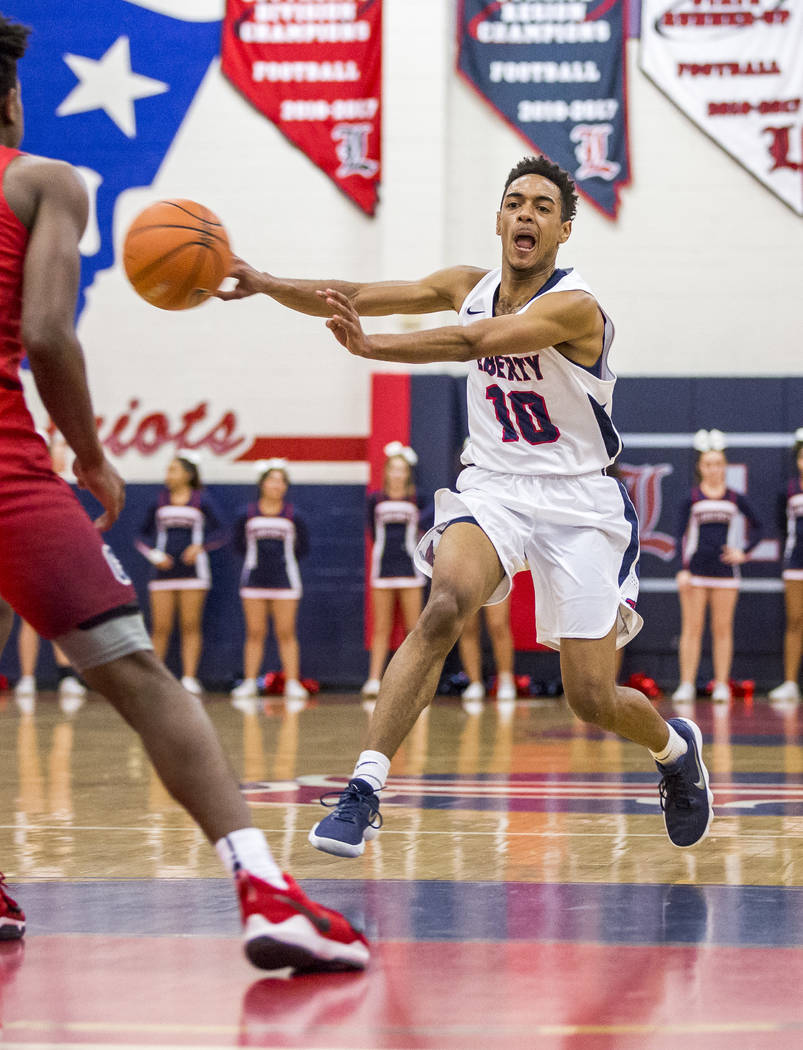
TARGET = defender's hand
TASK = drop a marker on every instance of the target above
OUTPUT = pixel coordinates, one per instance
(108, 488)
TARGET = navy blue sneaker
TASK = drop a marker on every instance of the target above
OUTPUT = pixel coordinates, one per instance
(355, 819)
(686, 798)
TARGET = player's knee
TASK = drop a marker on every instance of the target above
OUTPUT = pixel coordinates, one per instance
(591, 700)
(442, 620)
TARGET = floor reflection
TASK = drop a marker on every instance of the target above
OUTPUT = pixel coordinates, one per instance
(533, 796)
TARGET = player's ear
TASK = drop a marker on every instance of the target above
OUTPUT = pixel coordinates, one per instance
(498, 224)
(565, 231)
(7, 106)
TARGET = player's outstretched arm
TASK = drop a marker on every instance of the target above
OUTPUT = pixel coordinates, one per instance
(442, 290)
(50, 200)
(569, 321)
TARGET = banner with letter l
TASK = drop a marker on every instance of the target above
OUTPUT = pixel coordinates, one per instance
(556, 73)
(315, 70)
(735, 67)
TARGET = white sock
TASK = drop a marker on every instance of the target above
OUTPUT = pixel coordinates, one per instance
(372, 767)
(248, 848)
(675, 748)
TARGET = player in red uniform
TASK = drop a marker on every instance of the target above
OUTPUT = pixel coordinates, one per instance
(58, 574)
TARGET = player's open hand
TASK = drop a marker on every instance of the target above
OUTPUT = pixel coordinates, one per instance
(249, 281)
(108, 488)
(344, 324)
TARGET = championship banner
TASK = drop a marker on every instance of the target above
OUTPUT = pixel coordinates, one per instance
(314, 67)
(735, 67)
(556, 73)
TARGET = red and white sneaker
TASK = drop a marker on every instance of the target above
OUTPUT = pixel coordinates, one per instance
(12, 917)
(284, 928)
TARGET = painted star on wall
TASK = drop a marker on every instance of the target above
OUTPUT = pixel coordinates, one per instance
(108, 83)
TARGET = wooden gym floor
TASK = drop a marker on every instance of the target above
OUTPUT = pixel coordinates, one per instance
(522, 893)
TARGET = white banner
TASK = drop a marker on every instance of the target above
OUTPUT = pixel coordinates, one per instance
(735, 67)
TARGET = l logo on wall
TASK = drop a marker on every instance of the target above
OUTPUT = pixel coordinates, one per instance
(735, 67)
(106, 85)
(556, 73)
(315, 70)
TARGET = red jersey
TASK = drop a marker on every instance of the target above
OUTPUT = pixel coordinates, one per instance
(13, 242)
(55, 569)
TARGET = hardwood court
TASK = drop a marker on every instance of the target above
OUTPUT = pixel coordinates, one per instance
(522, 893)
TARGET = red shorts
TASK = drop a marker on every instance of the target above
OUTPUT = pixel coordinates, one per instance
(55, 568)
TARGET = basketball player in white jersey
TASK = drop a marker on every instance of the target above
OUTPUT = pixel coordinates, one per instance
(533, 495)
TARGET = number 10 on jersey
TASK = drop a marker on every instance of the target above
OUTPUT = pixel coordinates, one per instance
(532, 420)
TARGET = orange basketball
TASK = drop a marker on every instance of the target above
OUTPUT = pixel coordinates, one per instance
(176, 254)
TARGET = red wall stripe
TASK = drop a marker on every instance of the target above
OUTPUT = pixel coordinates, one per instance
(390, 419)
(313, 449)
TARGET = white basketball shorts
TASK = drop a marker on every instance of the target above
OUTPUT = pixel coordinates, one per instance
(577, 535)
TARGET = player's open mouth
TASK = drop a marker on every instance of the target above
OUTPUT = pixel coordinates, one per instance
(524, 241)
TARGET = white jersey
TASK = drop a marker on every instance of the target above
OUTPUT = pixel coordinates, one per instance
(538, 413)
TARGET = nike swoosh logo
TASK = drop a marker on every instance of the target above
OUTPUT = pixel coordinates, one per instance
(700, 782)
(470, 311)
(320, 922)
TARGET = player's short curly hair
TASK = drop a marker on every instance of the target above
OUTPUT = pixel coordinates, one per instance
(13, 42)
(541, 166)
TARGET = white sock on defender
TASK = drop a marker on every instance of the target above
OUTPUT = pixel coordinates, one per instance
(676, 748)
(248, 848)
(372, 767)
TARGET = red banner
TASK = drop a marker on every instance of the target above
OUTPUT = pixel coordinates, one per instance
(314, 67)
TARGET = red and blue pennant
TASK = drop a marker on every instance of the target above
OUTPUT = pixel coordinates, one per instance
(556, 73)
(315, 70)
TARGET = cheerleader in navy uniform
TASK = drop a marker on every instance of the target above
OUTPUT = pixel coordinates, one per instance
(179, 531)
(790, 522)
(393, 520)
(273, 537)
(709, 532)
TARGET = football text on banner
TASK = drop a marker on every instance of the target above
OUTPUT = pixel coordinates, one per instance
(736, 69)
(315, 70)
(556, 73)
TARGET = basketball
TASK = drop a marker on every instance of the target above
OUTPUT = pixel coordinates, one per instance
(176, 253)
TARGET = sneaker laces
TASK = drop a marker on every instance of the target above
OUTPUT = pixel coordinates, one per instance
(674, 789)
(348, 805)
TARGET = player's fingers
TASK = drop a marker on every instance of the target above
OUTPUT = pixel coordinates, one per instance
(338, 332)
(338, 300)
(237, 265)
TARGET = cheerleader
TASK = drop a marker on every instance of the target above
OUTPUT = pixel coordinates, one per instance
(790, 521)
(709, 530)
(272, 538)
(497, 623)
(393, 520)
(179, 531)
